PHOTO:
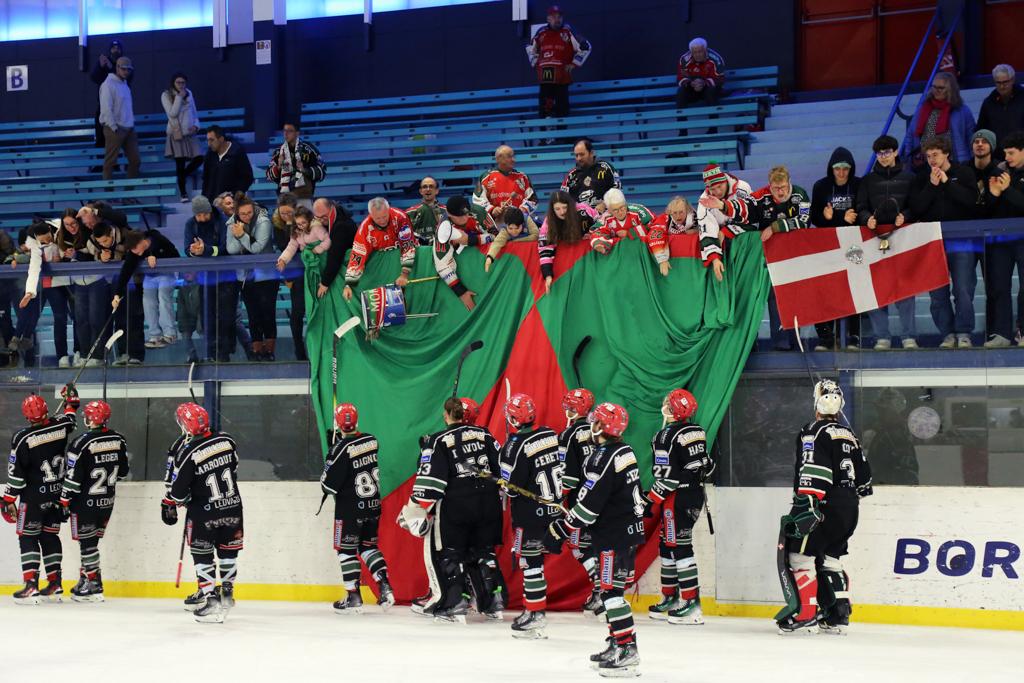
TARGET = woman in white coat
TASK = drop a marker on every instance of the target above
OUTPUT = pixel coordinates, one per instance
(182, 126)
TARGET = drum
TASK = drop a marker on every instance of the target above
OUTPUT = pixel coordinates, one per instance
(382, 307)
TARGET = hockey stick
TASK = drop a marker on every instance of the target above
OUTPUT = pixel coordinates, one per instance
(181, 555)
(78, 375)
(342, 330)
(106, 351)
(576, 358)
(518, 490)
(191, 392)
(470, 348)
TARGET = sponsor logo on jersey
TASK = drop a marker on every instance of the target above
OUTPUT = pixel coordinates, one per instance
(808, 443)
(506, 473)
(12, 458)
(583, 436)
(45, 437)
(840, 432)
(690, 436)
(661, 458)
(357, 450)
(624, 460)
(546, 443)
(449, 440)
(201, 454)
(425, 457)
(358, 248)
(405, 233)
(105, 446)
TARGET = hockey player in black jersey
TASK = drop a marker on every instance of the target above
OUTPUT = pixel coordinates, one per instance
(575, 445)
(451, 501)
(530, 460)
(351, 476)
(97, 460)
(31, 501)
(203, 479)
(831, 477)
(681, 464)
(611, 504)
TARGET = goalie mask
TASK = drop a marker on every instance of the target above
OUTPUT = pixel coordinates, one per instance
(828, 397)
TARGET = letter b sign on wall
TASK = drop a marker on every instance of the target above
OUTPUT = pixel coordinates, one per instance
(17, 78)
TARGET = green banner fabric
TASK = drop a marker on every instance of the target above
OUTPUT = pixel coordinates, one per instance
(650, 334)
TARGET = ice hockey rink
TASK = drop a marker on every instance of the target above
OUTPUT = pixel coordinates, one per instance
(139, 639)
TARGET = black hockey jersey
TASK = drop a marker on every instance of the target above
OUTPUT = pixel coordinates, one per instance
(575, 445)
(351, 476)
(204, 477)
(680, 460)
(610, 500)
(530, 460)
(588, 185)
(450, 462)
(172, 454)
(97, 460)
(830, 462)
(35, 468)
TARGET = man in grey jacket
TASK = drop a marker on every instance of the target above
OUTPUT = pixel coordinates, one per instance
(118, 120)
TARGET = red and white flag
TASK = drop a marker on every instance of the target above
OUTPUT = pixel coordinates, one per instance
(824, 274)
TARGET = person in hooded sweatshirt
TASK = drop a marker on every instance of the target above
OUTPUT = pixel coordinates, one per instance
(833, 204)
(882, 202)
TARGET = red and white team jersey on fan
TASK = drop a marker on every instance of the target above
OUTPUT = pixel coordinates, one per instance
(553, 50)
(711, 69)
(512, 189)
(637, 225)
(370, 237)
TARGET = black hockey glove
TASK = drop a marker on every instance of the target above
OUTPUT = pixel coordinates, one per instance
(865, 490)
(70, 395)
(559, 530)
(648, 507)
(168, 512)
(803, 517)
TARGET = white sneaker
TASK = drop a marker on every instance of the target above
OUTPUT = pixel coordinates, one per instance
(910, 343)
(93, 363)
(883, 345)
(963, 341)
(64, 362)
(948, 342)
(997, 341)
(121, 360)
(155, 343)
(821, 347)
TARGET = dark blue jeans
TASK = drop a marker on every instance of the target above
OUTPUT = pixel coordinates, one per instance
(58, 299)
(92, 308)
(1000, 260)
(963, 273)
(7, 293)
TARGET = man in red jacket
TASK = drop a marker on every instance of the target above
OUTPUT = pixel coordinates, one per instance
(384, 229)
(556, 50)
(700, 76)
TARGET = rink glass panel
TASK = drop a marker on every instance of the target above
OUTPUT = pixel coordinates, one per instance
(276, 434)
(979, 439)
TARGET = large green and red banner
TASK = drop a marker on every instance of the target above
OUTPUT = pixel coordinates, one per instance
(650, 334)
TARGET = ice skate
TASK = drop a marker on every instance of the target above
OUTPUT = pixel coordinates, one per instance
(530, 625)
(453, 615)
(790, 626)
(687, 613)
(54, 591)
(667, 604)
(604, 655)
(227, 594)
(624, 663)
(87, 590)
(352, 604)
(29, 595)
(212, 611)
(594, 606)
(495, 612)
(387, 595)
(194, 601)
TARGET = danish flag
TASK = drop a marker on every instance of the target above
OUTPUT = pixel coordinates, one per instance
(823, 274)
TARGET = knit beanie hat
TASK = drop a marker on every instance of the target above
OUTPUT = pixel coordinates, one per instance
(201, 204)
(713, 174)
(987, 135)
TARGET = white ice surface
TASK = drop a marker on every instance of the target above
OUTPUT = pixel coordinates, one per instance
(138, 640)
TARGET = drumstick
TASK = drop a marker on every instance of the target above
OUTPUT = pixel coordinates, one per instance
(423, 279)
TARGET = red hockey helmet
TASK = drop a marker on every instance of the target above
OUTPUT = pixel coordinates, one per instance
(520, 410)
(609, 419)
(470, 410)
(34, 408)
(346, 417)
(578, 401)
(96, 413)
(679, 404)
(192, 418)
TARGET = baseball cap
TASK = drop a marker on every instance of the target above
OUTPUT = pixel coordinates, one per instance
(458, 206)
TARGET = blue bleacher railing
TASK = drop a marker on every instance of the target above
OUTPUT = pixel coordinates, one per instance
(896, 110)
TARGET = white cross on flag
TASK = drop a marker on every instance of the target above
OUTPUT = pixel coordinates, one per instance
(823, 274)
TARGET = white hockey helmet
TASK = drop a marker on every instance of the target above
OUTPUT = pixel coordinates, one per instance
(828, 397)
